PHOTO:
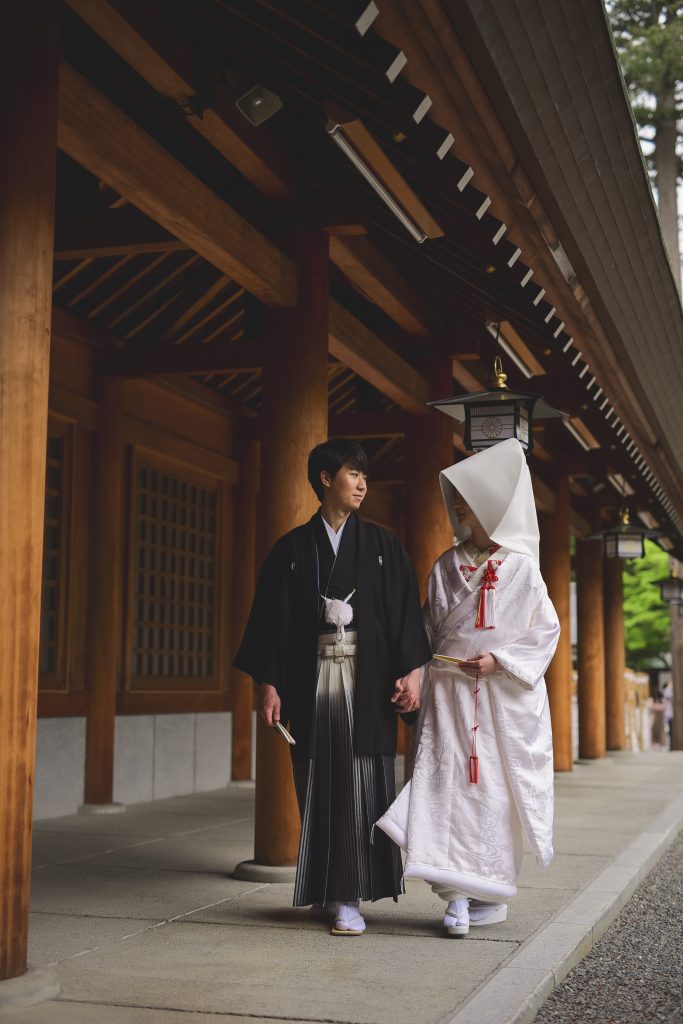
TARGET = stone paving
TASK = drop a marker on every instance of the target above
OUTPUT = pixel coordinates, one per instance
(140, 918)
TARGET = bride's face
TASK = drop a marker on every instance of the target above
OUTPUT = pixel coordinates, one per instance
(466, 516)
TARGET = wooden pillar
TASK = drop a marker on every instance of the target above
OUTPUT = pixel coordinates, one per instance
(428, 530)
(429, 449)
(243, 580)
(556, 570)
(294, 420)
(591, 647)
(615, 654)
(105, 593)
(28, 87)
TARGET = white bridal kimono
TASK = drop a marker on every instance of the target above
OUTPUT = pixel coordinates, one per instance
(465, 836)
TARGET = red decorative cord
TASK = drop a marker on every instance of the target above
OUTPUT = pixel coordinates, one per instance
(474, 760)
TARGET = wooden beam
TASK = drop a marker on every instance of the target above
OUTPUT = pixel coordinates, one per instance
(73, 328)
(363, 352)
(368, 424)
(465, 377)
(122, 232)
(138, 33)
(183, 359)
(99, 136)
(378, 280)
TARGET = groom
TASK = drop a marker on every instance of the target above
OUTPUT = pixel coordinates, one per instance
(335, 641)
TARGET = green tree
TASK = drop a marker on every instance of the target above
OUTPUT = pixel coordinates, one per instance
(649, 39)
(646, 616)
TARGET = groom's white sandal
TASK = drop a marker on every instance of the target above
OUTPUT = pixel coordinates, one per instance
(457, 918)
(487, 913)
(348, 920)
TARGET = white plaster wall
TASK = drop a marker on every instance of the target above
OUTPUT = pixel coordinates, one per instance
(60, 761)
(155, 756)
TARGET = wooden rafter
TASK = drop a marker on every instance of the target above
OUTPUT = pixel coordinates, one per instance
(113, 232)
(99, 136)
(361, 262)
(364, 353)
(138, 34)
(185, 359)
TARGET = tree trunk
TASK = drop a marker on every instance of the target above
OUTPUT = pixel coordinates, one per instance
(666, 168)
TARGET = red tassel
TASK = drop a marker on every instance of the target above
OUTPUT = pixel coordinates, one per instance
(486, 614)
(474, 769)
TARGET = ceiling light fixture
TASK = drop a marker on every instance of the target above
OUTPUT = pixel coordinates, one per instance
(359, 146)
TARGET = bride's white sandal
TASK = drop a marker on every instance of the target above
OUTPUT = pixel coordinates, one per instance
(457, 918)
(487, 913)
(348, 920)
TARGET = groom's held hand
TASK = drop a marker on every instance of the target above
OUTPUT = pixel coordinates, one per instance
(269, 704)
(407, 692)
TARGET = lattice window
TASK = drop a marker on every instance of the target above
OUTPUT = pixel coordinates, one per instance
(174, 601)
(53, 555)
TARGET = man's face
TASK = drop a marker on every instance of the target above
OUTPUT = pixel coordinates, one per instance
(346, 489)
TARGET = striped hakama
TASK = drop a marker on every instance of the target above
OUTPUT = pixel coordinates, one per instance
(341, 795)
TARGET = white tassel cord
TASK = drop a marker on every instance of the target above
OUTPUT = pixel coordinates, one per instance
(339, 613)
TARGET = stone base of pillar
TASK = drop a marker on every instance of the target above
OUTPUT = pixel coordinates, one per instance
(36, 986)
(113, 808)
(250, 871)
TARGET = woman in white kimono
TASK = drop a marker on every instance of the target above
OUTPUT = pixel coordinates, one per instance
(483, 775)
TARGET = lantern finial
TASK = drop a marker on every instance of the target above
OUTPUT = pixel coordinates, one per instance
(498, 378)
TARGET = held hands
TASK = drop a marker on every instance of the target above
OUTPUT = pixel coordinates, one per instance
(269, 704)
(407, 692)
(484, 665)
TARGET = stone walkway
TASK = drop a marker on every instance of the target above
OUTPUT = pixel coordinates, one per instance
(143, 924)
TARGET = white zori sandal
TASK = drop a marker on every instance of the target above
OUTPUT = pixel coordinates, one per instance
(487, 913)
(348, 920)
(457, 918)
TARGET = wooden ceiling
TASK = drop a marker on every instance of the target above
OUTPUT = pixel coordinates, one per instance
(175, 221)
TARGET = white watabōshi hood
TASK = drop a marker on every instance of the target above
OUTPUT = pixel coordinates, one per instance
(496, 484)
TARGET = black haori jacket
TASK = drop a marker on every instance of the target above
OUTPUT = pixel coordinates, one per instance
(281, 638)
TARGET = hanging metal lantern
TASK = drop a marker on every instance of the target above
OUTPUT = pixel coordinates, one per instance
(496, 414)
(625, 540)
(671, 590)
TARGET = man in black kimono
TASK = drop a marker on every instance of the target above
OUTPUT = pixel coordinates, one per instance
(335, 640)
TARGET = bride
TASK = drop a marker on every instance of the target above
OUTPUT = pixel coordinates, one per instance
(483, 775)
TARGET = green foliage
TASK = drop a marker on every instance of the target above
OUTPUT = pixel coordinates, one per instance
(647, 619)
(649, 39)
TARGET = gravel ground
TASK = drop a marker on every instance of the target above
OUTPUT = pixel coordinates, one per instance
(634, 974)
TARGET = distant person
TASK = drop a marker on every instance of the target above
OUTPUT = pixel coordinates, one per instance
(483, 776)
(668, 698)
(658, 729)
(335, 641)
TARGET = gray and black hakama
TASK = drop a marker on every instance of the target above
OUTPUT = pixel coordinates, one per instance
(341, 795)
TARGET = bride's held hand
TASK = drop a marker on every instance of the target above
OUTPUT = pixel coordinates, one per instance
(483, 665)
(407, 692)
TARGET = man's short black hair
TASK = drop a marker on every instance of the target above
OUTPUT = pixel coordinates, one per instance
(331, 456)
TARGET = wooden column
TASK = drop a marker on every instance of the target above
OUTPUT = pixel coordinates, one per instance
(428, 530)
(556, 570)
(429, 449)
(615, 654)
(105, 594)
(591, 647)
(294, 420)
(243, 580)
(28, 87)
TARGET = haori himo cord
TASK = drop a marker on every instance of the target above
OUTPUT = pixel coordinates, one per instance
(483, 776)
